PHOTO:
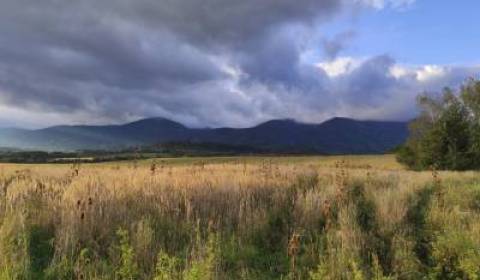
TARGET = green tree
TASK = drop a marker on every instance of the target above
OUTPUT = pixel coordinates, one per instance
(446, 134)
(470, 95)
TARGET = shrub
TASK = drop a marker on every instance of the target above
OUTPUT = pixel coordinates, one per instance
(456, 256)
(128, 268)
(167, 267)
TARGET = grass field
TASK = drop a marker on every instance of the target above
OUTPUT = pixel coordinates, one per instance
(353, 217)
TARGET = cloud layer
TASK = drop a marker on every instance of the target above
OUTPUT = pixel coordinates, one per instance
(204, 63)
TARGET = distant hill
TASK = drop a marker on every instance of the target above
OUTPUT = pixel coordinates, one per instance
(335, 136)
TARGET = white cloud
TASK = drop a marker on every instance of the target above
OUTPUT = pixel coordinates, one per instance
(381, 4)
(423, 73)
(340, 66)
(380, 88)
(429, 72)
(399, 71)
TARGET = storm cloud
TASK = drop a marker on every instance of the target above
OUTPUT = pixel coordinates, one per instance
(204, 63)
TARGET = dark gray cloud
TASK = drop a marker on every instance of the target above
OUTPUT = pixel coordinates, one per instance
(132, 58)
(205, 63)
(333, 46)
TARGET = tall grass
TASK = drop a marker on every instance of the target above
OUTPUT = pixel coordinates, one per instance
(304, 218)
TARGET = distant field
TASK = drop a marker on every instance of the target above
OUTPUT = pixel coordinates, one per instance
(355, 161)
(304, 217)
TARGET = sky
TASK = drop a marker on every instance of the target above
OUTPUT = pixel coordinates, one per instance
(215, 63)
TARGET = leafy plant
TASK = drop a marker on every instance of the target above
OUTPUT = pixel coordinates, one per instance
(128, 268)
(167, 267)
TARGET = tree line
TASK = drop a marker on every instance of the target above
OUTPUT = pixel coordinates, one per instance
(446, 134)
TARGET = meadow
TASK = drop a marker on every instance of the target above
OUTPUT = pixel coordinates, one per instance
(342, 217)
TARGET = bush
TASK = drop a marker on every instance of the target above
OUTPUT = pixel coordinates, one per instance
(456, 257)
(128, 268)
(167, 267)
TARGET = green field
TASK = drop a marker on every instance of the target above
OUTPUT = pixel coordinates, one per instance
(312, 217)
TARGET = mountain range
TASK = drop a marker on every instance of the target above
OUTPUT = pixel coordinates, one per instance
(335, 136)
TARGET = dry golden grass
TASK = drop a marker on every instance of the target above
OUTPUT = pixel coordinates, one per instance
(174, 205)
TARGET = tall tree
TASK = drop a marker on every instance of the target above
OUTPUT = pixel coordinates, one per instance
(446, 134)
(471, 98)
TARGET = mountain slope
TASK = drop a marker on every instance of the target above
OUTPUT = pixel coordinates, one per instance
(336, 136)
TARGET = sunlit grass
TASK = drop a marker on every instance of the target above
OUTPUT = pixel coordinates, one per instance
(337, 217)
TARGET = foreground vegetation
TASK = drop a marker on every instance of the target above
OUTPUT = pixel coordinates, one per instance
(239, 218)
